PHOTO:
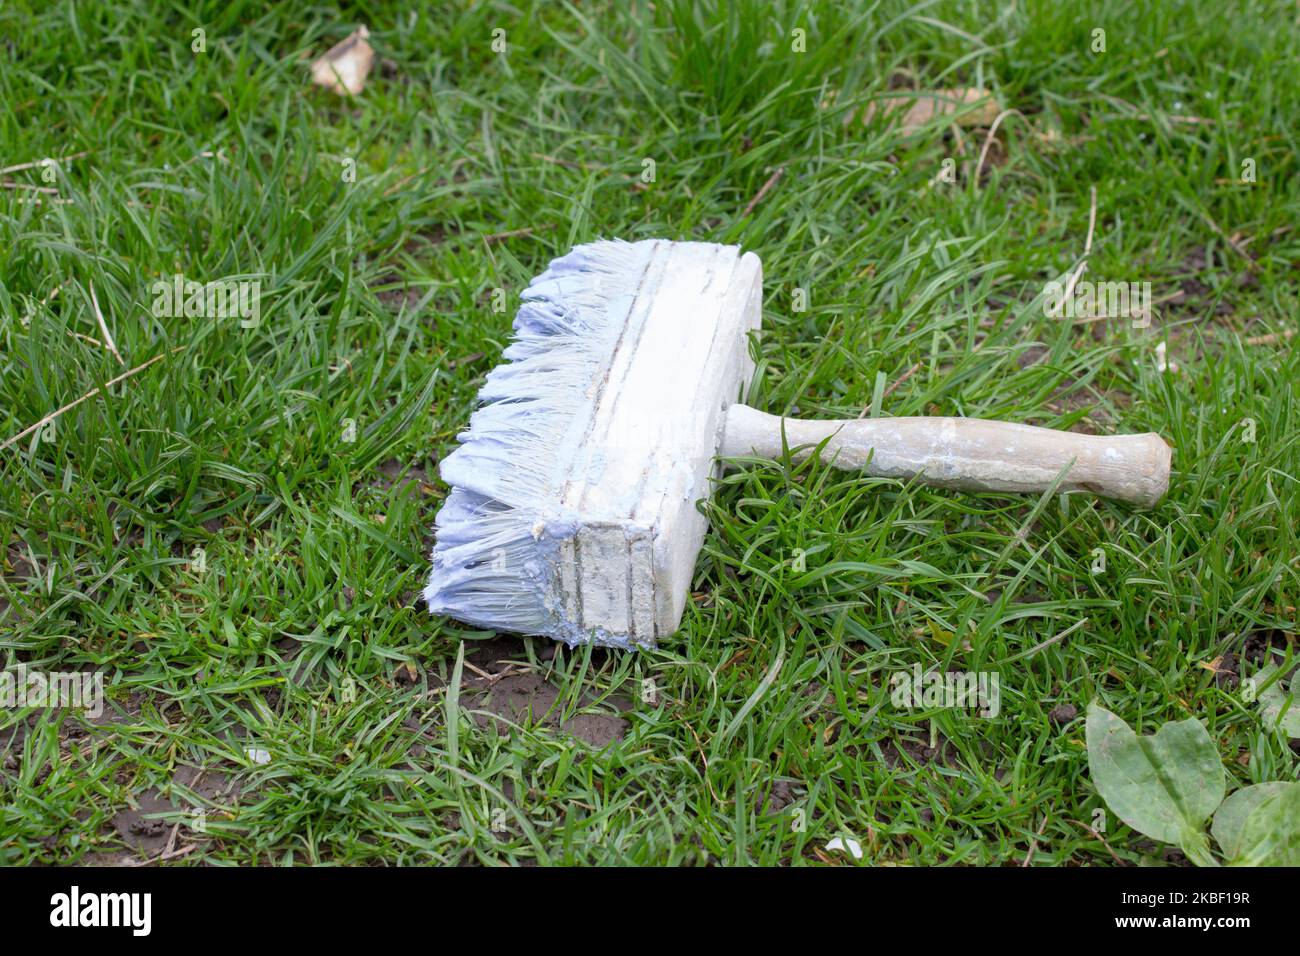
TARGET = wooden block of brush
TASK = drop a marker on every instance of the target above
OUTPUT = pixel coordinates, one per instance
(650, 449)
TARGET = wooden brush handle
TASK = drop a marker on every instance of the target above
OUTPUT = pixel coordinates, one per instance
(968, 454)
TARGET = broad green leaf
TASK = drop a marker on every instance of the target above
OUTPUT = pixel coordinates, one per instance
(1166, 785)
(1232, 813)
(1271, 834)
(1196, 847)
(1279, 708)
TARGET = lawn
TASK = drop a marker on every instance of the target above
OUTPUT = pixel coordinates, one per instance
(236, 534)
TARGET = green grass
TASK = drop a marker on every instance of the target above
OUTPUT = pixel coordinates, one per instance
(770, 728)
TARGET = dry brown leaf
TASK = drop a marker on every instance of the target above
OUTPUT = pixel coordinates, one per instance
(346, 64)
(968, 106)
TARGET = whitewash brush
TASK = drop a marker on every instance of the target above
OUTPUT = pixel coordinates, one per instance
(572, 511)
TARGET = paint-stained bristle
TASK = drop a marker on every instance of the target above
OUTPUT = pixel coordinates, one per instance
(498, 530)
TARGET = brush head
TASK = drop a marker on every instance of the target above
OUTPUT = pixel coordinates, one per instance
(572, 512)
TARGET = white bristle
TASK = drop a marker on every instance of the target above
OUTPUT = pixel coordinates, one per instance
(492, 560)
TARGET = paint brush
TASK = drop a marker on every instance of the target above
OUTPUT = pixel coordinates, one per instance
(572, 512)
